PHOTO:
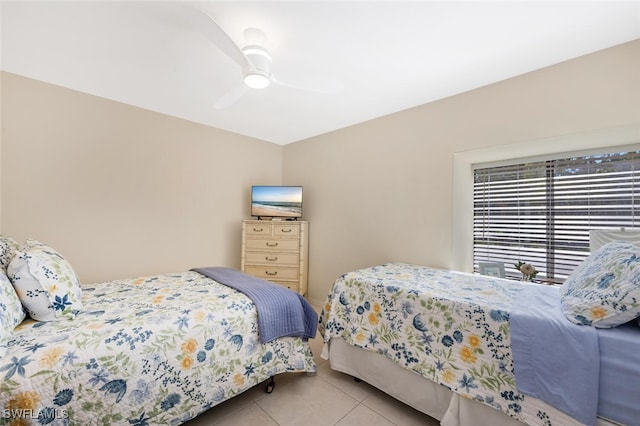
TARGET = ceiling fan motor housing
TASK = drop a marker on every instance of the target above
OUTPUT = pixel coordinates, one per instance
(260, 60)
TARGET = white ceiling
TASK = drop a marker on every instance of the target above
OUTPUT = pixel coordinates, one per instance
(372, 57)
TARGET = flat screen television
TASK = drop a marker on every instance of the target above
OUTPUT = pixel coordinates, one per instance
(276, 201)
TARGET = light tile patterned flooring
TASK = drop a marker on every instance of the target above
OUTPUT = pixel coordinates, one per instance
(324, 399)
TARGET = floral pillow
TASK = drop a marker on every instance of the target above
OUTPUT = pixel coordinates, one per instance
(11, 312)
(604, 290)
(8, 247)
(45, 282)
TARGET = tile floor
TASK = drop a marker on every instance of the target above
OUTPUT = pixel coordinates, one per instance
(324, 399)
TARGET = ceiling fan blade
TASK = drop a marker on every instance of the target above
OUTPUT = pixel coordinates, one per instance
(205, 25)
(231, 97)
(317, 85)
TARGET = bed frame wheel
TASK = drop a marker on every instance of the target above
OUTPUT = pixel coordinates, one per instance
(270, 385)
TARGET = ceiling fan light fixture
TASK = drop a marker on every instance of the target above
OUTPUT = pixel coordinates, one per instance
(258, 76)
(256, 80)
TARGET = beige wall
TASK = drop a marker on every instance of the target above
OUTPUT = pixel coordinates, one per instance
(122, 191)
(382, 190)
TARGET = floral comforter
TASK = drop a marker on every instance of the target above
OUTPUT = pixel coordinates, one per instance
(449, 327)
(154, 350)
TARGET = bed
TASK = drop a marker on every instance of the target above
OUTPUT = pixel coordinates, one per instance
(444, 342)
(153, 350)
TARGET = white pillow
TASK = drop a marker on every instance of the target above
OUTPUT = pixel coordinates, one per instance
(11, 312)
(8, 247)
(45, 282)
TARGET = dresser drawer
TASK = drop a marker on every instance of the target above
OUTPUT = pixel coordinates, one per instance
(272, 244)
(258, 229)
(286, 231)
(290, 285)
(272, 258)
(272, 272)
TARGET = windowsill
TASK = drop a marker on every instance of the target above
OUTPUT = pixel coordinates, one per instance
(544, 281)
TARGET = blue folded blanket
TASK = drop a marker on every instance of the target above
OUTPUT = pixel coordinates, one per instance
(281, 312)
(554, 360)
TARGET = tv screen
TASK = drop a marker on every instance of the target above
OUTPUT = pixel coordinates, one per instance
(276, 201)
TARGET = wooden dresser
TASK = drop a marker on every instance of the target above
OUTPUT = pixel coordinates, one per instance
(277, 251)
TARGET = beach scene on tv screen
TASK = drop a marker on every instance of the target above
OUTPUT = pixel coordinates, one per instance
(270, 201)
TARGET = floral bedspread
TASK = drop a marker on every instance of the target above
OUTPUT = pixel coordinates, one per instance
(154, 350)
(450, 327)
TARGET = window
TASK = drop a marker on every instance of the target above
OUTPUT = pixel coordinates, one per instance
(541, 212)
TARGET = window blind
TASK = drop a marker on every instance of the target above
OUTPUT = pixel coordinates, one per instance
(541, 212)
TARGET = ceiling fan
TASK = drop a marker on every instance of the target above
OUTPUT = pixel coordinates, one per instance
(254, 60)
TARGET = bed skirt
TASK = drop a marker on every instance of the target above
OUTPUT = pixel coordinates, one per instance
(412, 389)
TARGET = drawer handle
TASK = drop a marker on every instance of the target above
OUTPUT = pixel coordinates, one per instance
(271, 259)
(286, 230)
(271, 245)
(258, 230)
(271, 273)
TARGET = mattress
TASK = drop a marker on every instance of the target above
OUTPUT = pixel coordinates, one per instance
(449, 327)
(152, 350)
(421, 394)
